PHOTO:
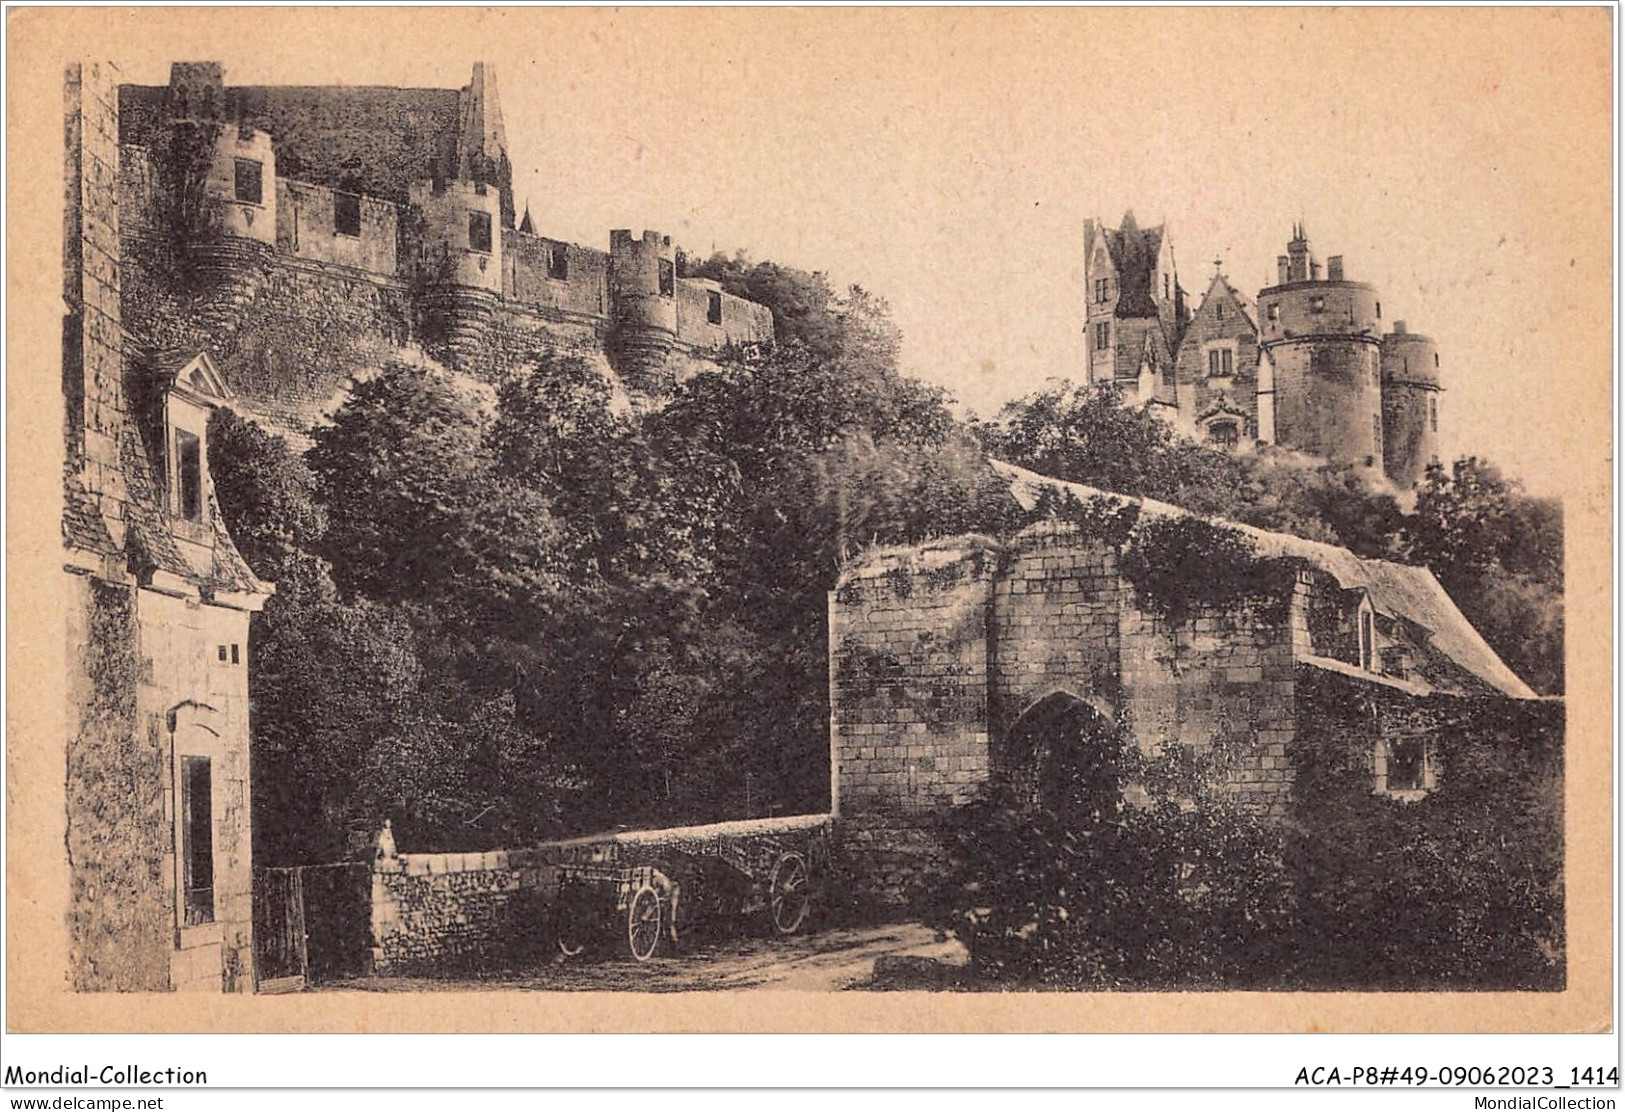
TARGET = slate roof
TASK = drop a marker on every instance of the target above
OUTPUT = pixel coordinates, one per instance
(1134, 253)
(82, 524)
(1397, 590)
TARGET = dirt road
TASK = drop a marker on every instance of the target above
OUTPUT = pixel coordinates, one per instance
(829, 960)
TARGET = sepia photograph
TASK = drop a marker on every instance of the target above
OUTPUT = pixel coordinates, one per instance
(1100, 512)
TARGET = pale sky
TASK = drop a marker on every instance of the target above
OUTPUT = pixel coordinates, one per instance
(947, 159)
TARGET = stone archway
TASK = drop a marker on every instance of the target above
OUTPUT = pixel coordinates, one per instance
(1062, 754)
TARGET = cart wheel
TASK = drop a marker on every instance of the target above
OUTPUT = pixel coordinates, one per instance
(643, 923)
(788, 897)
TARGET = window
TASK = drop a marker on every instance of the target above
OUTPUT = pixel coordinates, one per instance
(713, 307)
(1103, 336)
(222, 653)
(558, 262)
(1433, 414)
(1274, 312)
(1218, 311)
(1223, 434)
(1379, 310)
(479, 231)
(1407, 764)
(197, 841)
(1317, 304)
(1376, 433)
(1103, 289)
(1368, 639)
(249, 181)
(1220, 363)
(1435, 359)
(668, 278)
(188, 475)
(347, 214)
(1166, 287)
(234, 657)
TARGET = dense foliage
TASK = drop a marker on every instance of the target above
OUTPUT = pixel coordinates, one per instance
(513, 611)
(1183, 890)
(1497, 550)
(509, 612)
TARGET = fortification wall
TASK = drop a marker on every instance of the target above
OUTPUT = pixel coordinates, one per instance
(307, 227)
(552, 275)
(709, 319)
(1054, 622)
(908, 705)
(1328, 398)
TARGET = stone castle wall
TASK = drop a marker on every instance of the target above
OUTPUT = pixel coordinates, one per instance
(938, 652)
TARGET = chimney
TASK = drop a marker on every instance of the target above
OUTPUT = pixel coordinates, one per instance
(1399, 328)
(1334, 268)
(1314, 270)
(1282, 264)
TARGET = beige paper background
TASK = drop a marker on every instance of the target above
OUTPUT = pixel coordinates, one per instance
(1570, 433)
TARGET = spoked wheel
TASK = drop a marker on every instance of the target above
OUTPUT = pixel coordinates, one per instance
(644, 923)
(789, 894)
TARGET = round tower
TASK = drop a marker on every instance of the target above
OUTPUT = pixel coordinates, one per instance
(643, 308)
(219, 183)
(458, 264)
(1322, 336)
(1410, 405)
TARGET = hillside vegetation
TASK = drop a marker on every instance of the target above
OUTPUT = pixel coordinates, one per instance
(502, 616)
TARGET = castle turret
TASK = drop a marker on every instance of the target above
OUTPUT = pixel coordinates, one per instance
(458, 265)
(1410, 405)
(219, 174)
(643, 307)
(1321, 339)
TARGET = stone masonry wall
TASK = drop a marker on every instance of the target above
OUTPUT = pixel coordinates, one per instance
(437, 911)
(1220, 679)
(908, 714)
(1055, 623)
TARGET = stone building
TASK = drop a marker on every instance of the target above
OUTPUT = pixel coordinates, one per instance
(298, 231)
(952, 662)
(159, 601)
(1308, 367)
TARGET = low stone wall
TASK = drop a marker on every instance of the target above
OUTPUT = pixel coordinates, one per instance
(434, 912)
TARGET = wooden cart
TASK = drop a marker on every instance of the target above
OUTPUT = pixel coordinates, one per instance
(646, 887)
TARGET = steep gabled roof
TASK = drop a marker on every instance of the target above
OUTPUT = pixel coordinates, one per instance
(1134, 253)
(1220, 287)
(1400, 591)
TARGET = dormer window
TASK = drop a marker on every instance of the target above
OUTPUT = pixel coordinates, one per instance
(194, 389)
(188, 475)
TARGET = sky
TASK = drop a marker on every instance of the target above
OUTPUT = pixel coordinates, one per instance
(947, 160)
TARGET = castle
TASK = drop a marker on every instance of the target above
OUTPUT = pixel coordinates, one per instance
(1307, 365)
(258, 247)
(311, 226)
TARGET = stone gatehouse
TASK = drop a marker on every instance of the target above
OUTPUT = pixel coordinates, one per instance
(946, 658)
